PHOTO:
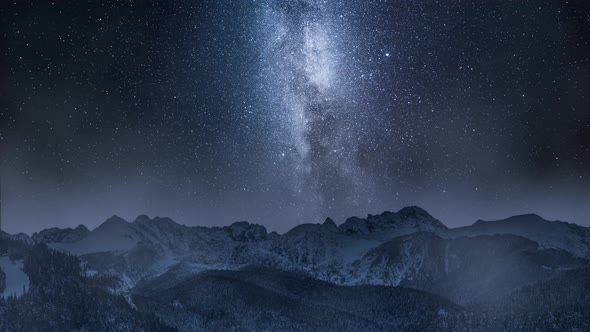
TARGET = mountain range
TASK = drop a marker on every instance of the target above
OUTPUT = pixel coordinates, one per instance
(171, 270)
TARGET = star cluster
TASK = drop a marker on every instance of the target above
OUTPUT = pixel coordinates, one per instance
(282, 112)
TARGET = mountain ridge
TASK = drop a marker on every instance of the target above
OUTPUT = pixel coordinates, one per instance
(345, 225)
(378, 227)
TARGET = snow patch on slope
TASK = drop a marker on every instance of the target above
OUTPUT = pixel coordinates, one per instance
(16, 279)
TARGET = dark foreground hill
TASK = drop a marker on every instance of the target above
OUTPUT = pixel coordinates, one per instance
(260, 299)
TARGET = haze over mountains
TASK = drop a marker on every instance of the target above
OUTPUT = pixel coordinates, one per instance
(172, 271)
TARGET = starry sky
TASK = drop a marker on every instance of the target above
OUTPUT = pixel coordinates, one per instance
(281, 112)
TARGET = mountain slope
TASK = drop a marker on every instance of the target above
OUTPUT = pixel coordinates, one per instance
(467, 269)
(63, 235)
(550, 234)
(14, 280)
(59, 297)
(274, 300)
(558, 304)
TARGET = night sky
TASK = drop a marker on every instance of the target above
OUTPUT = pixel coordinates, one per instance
(284, 112)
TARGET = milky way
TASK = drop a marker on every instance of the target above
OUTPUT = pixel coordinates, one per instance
(284, 112)
(307, 83)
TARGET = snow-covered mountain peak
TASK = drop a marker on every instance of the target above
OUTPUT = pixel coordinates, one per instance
(550, 234)
(114, 222)
(325, 228)
(63, 235)
(414, 212)
(244, 231)
(407, 220)
(81, 228)
(330, 223)
(22, 237)
(142, 218)
(529, 218)
(156, 223)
